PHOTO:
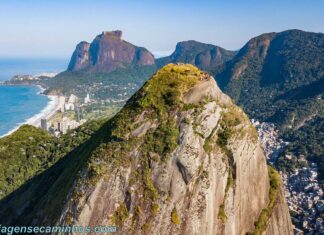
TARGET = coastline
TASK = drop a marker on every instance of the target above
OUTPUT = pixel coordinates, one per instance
(49, 110)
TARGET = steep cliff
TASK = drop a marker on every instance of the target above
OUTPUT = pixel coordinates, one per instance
(204, 56)
(279, 78)
(80, 57)
(179, 158)
(108, 52)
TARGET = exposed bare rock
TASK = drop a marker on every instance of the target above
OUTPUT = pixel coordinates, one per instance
(179, 158)
(80, 57)
(197, 189)
(107, 52)
(280, 218)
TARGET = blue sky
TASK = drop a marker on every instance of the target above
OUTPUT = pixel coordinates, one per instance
(35, 28)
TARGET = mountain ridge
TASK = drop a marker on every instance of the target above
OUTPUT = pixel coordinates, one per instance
(205, 56)
(282, 85)
(278, 77)
(180, 158)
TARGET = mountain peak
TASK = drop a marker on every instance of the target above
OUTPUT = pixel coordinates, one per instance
(180, 158)
(108, 52)
(202, 55)
(194, 42)
(116, 33)
(168, 86)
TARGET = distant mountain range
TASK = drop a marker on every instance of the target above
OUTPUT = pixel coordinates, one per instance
(179, 158)
(109, 52)
(275, 77)
(279, 77)
(289, 65)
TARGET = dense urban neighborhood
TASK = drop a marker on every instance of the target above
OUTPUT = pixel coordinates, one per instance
(303, 193)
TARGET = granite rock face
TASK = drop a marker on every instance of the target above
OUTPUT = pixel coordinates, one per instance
(80, 57)
(204, 186)
(108, 52)
(280, 219)
(179, 158)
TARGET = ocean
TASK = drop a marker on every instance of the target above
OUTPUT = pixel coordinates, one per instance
(21, 103)
(10, 67)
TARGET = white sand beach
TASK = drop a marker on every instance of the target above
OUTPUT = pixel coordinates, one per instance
(53, 105)
(47, 112)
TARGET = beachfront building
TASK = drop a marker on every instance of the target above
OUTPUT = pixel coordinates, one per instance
(44, 124)
(61, 103)
(71, 103)
(69, 106)
(87, 99)
(67, 124)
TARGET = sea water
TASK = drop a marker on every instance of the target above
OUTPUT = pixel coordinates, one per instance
(21, 103)
(11, 67)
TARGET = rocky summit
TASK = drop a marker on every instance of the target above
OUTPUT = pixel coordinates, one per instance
(179, 158)
(108, 52)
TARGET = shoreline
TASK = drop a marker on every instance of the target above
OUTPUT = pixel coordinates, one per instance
(49, 110)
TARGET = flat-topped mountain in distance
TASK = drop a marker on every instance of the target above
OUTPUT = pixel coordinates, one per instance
(111, 61)
(276, 77)
(205, 56)
(179, 158)
(109, 69)
(108, 52)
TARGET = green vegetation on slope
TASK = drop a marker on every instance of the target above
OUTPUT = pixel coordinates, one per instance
(101, 85)
(29, 151)
(205, 56)
(22, 155)
(230, 131)
(221, 213)
(114, 147)
(160, 97)
(262, 222)
(175, 217)
(120, 215)
(279, 78)
(306, 141)
(47, 191)
(165, 89)
(157, 102)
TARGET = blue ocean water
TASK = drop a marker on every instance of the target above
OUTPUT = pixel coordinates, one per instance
(10, 67)
(19, 103)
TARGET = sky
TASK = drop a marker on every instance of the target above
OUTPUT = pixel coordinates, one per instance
(51, 29)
